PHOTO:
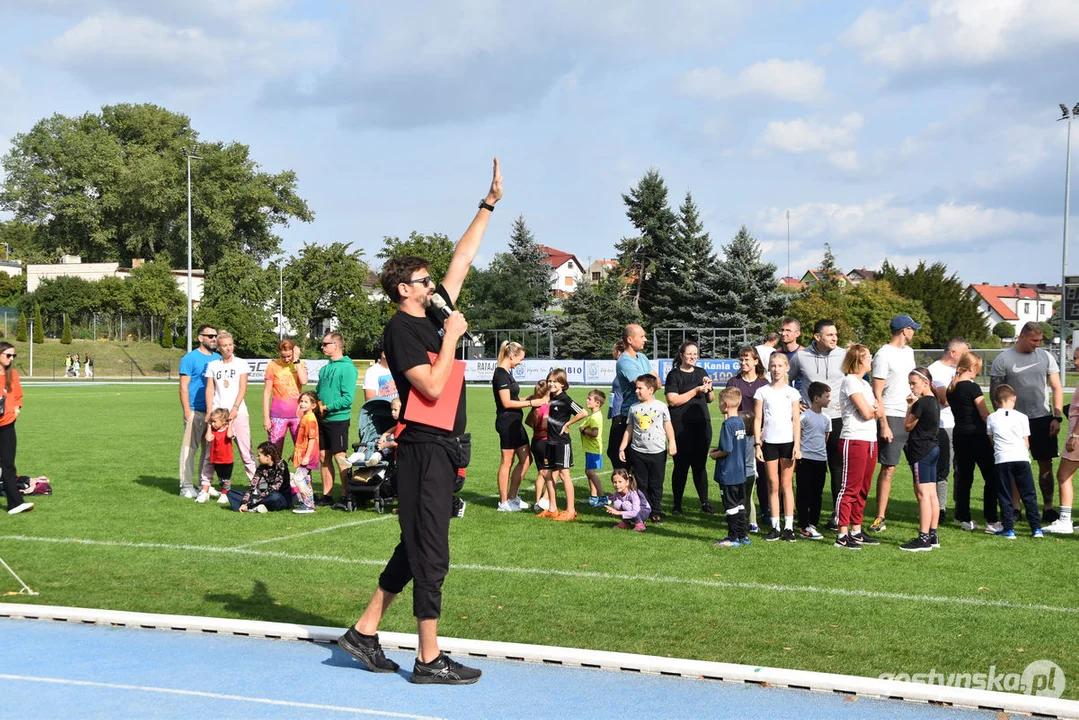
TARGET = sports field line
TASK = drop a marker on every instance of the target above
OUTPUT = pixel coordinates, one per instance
(579, 574)
(216, 696)
(380, 518)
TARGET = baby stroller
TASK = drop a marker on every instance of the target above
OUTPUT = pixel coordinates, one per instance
(372, 483)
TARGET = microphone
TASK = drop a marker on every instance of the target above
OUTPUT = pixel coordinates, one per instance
(439, 304)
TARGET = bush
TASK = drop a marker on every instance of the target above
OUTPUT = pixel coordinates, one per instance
(1004, 330)
(162, 368)
(65, 336)
(167, 340)
(21, 333)
(39, 326)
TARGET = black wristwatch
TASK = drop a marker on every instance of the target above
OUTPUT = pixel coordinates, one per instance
(484, 205)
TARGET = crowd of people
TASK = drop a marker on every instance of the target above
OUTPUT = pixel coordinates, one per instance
(73, 364)
(792, 417)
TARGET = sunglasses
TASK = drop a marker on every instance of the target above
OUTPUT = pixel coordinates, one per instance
(324, 343)
(425, 280)
(10, 355)
(208, 335)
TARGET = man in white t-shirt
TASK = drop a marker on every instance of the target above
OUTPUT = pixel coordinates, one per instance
(942, 372)
(226, 387)
(891, 367)
(377, 380)
(765, 349)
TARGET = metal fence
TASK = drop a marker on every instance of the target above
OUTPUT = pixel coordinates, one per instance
(712, 342)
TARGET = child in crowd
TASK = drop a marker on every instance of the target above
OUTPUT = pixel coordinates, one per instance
(813, 465)
(268, 486)
(730, 472)
(923, 451)
(562, 412)
(777, 407)
(591, 435)
(628, 502)
(751, 469)
(381, 447)
(1009, 431)
(537, 420)
(219, 435)
(305, 454)
(650, 436)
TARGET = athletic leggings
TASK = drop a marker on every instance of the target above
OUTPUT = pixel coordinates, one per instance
(694, 442)
(7, 466)
(971, 450)
(859, 461)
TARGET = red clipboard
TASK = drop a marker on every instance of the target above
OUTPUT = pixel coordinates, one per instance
(439, 413)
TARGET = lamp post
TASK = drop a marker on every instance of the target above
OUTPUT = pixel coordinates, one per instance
(189, 155)
(281, 298)
(1066, 114)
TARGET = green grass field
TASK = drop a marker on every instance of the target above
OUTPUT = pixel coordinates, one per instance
(116, 535)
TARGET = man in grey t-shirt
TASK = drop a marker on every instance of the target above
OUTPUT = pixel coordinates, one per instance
(1034, 375)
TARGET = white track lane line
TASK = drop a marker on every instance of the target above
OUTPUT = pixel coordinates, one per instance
(581, 574)
(216, 696)
(380, 518)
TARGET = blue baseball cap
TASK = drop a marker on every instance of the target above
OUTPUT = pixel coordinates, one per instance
(902, 322)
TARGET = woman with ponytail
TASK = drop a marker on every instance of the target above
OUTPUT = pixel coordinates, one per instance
(513, 440)
(10, 407)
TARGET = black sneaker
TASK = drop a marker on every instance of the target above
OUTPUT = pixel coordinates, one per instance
(676, 511)
(458, 507)
(844, 541)
(707, 509)
(934, 541)
(787, 536)
(324, 501)
(369, 652)
(863, 539)
(943, 517)
(443, 670)
(1048, 516)
(832, 525)
(916, 545)
(656, 519)
(772, 535)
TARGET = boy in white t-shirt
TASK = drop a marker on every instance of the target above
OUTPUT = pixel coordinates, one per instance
(1009, 431)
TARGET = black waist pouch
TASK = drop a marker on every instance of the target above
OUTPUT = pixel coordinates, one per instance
(460, 449)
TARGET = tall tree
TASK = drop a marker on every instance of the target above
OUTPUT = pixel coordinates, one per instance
(437, 249)
(870, 306)
(113, 186)
(944, 297)
(20, 332)
(649, 212)
(514, 287)
(828, 285)
(685, 274)
(240, 296)
(154, 291)
(593, 318)
(527, 260)
(746, 293)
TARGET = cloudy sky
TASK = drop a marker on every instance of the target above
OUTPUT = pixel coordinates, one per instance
(899, 130)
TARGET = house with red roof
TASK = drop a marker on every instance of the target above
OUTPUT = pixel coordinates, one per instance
(1017, 304)
(567, 271)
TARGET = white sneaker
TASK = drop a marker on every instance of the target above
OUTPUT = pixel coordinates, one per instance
(1060, 526)
(993, 528)
(508, 506)
(223, 499)
(261, 509)
(356, 458)
(202, 497)
(375, 459)
(213, 492)
(968, 525)
(302, 510)
(24, 507)
(188, 492)
(810, 533)
(521, 504)
(544, 503)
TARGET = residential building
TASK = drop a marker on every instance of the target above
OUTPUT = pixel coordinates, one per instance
(859, 275)
(567, 271)
(11, 268)
(73, 266)
(1017, 304)
(791, 283)
(812, 277)
(600, 269)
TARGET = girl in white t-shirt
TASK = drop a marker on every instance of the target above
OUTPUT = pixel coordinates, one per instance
(857, 446)
(777, 410)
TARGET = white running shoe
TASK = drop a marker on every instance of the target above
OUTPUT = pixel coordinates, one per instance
(1060, 526)
(213, 492)
(261, 509)
(202, 497)
(544, 503)
(508, 506)
(222, 499)
(521, 504)
(21, 508)
(968, 525)
(993, 528)
(188, 492)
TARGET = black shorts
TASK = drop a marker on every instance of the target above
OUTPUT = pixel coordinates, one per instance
(511, 431)
(775, 451)
(539, 454)
(333, 436)
(1043, 446)
(559, 455)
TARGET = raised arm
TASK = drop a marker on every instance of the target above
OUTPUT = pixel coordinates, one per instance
(469, 244)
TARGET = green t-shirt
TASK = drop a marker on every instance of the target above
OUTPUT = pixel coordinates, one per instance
(592, 444)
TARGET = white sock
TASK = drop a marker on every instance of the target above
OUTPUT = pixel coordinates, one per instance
(775, 523)
(788, 522)
(1065, 514)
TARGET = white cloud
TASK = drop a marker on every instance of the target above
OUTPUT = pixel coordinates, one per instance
(10, 83)
(845, 160)
(965, 32)
(803, 136)
(791, 81)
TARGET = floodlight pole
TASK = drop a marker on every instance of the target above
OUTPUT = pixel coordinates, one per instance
(1064, 262)
(189, 155)
(281, 299)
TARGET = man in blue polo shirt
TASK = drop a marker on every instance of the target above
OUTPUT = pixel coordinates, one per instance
(631, 364)
(193, 403)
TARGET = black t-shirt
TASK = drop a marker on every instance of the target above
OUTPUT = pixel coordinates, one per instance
(923, 438)
(503, 380)
(561, 410)
(689, 414)
(408, 340)
(968, 421)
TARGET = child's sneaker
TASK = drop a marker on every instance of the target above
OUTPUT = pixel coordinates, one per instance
(810, 533)
(543, 504)
(863, 539)
(968, 525)
(375, 459)
(566, 516)
(303, 510)
(520, 503)
(508, 506)
(745, 541)
(622, 525)
(222, 499)
(993, 528)
(1037, 534)
(753, 528)
(772, 535)
(934, 540)
(1059, 527)
(356, 458)
(593, 501)
(846, 541)
(213, 492)
(547, 514)
(202, 497)
(878, 525)
(833, 524)
(916, 545)
(603, 501)
(1006, 534)
(639, 527)
(261, 509)
(727, 543)
(787, 535)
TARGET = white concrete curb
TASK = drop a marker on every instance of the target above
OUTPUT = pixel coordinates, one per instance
(572, 657)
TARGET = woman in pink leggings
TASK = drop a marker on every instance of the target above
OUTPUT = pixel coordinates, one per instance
(285, 378)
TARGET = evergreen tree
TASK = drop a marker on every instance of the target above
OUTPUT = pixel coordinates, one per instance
(166, 333)
(955, 312)
(528, 262)
(65, 336)
(593, 318)
(648, 212)
(828, 285)
(21, 333)
(684, 274)
(39, 326)
(746, 293)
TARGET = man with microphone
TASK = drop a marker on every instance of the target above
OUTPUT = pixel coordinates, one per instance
(425, 463)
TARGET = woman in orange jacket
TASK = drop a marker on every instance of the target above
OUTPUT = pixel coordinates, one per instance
(10, 406)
